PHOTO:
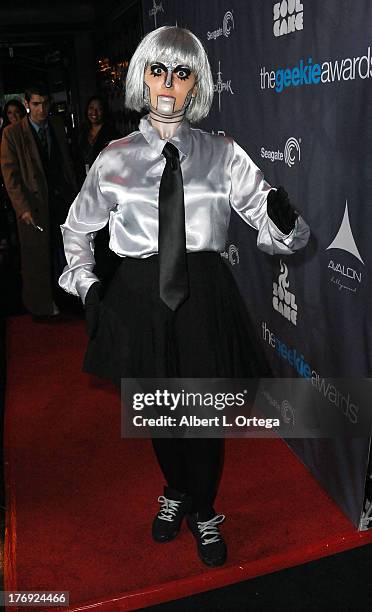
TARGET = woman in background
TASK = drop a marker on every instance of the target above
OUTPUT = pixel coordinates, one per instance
(13, 112)
(95, 134)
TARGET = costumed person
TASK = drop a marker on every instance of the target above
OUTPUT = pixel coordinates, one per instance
(173, 308)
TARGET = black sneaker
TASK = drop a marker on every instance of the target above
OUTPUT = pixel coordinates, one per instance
(211, 545)
(167, 523)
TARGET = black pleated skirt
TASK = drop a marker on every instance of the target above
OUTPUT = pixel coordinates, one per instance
(210, 335)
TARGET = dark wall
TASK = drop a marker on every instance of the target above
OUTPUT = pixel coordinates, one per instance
(62, 45)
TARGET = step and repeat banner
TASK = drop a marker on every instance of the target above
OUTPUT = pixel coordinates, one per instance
(293, 86)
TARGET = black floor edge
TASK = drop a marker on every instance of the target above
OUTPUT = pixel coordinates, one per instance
(339, 583)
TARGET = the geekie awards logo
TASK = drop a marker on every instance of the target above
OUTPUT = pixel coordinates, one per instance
(345, 272)
(327, 388)
(284, 301)
(308, 71)
(288, 17)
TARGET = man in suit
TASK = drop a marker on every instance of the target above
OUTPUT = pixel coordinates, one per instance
(40, 182)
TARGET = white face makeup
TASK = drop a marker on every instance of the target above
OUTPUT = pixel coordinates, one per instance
(168, 90)
(169, 87)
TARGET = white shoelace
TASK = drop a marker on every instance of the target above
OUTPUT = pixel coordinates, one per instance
(168, 509)
(209, 528)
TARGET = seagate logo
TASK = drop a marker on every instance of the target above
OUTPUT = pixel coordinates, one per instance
(288, 17)
(221, 86)
(156, 8)
(290, 155)
(227, 25)
(284, 408)
(231, 254)
(292, 152)
(284, 301)
(288, 413)
(344, 275)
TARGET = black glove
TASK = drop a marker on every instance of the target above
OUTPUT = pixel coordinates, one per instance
(280, 210)
(92, 307)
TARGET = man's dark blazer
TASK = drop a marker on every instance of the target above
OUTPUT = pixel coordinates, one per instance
(26, 181)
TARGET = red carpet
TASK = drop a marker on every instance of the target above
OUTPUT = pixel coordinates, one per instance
(81, 499)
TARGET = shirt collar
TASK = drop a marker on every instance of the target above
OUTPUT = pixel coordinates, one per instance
(181, 139)
(36, 126)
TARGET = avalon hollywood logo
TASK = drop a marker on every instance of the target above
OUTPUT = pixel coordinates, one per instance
(345, 274)
(284, 301)
(156, 8)
(220, 86)
(228, 24)
(290, 155)
(288, 17)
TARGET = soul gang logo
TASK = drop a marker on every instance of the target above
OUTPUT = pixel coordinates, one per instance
(156, 8)
(288, 17)
(220, 86)
(284, 301)
(227, 25)
(290, 155)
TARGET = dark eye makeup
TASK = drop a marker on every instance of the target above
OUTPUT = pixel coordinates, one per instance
(157, 69)
(182, 72)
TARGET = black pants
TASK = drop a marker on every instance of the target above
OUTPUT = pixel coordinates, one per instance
(209, 336)
(193, 466)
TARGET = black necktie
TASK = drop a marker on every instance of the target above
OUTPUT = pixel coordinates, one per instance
(43, 139)
(173, 279)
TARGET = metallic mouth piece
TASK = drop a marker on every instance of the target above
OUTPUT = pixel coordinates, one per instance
(165, 105)
(167, 98)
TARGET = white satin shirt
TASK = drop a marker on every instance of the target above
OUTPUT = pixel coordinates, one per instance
(122, 187)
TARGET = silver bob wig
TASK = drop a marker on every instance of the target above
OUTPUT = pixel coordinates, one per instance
(168, 44)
